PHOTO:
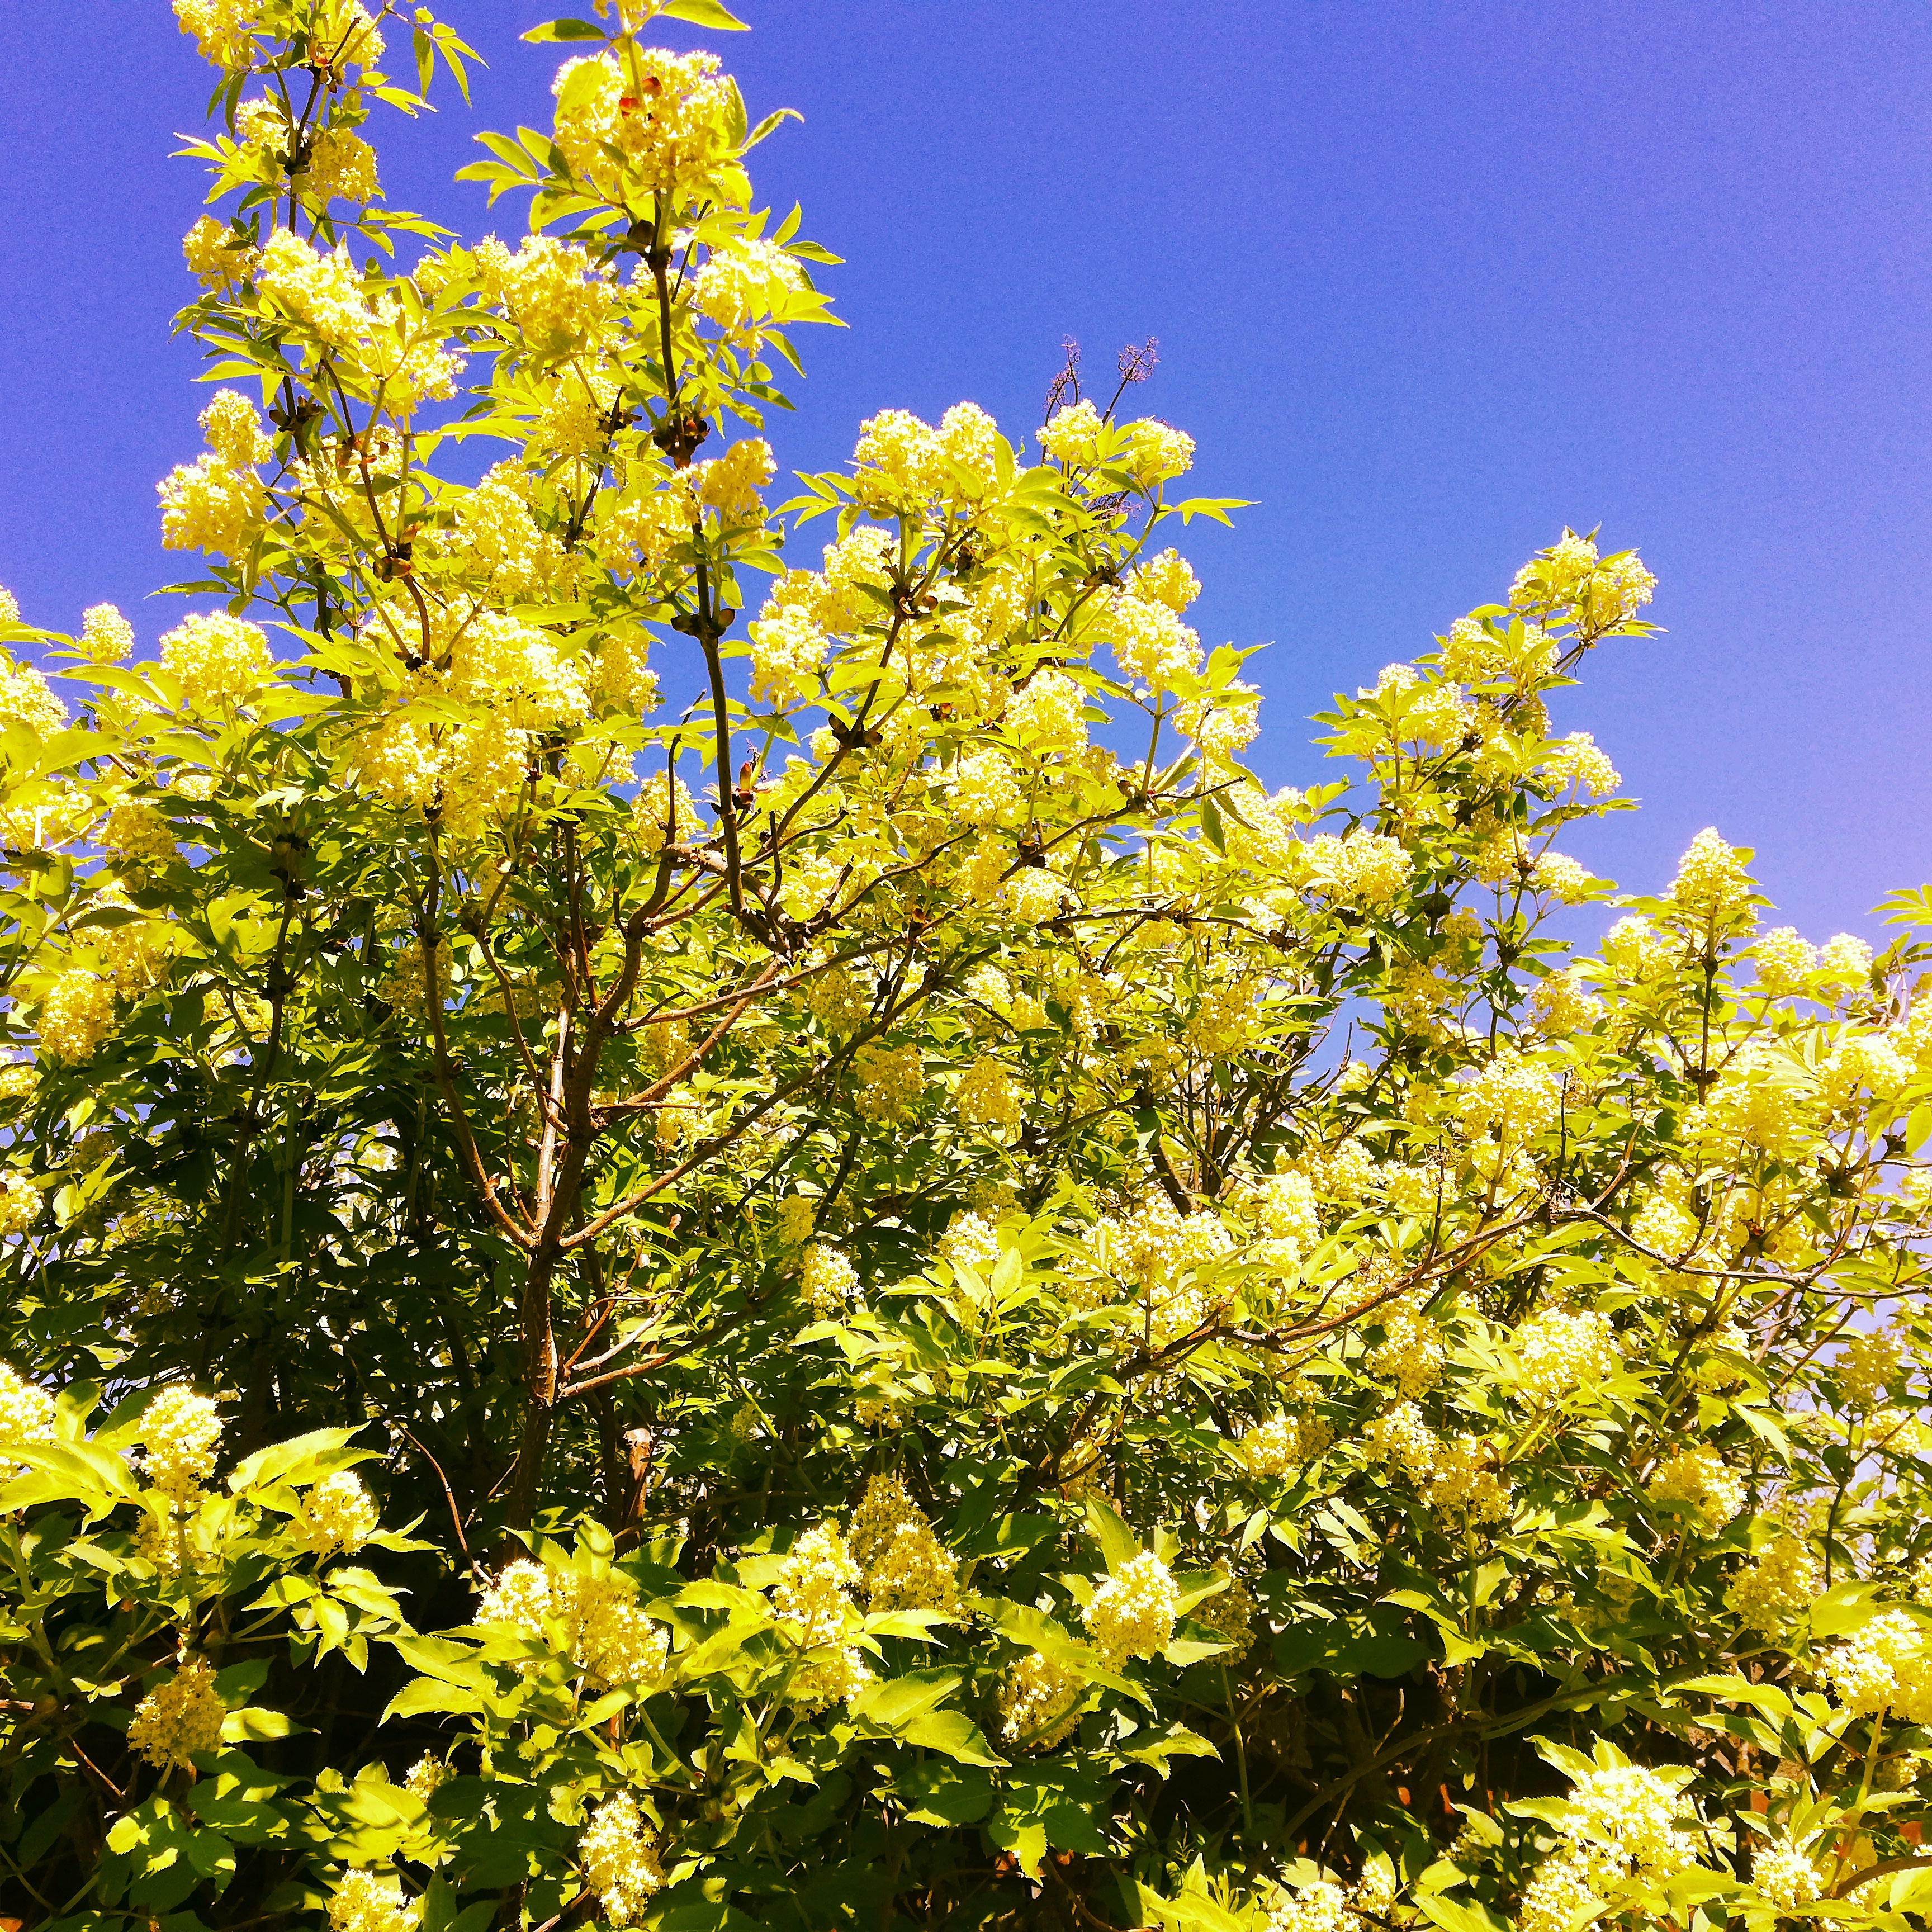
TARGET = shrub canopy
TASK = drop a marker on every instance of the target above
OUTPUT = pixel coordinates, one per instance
(810, 1269)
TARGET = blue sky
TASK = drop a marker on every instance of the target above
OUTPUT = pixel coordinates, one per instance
(1429, 281)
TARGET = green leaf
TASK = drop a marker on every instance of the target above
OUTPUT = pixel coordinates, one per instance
(895, 1701)
(953, 1732)
(702, 14)
(565, 30)
(1119, 1546)
(944, 1794)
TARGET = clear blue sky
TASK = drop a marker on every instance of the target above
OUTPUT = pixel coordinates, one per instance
(1430, 280)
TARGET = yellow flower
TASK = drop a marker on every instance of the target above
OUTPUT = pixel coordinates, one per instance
(179, 1718)
(1131, 1614)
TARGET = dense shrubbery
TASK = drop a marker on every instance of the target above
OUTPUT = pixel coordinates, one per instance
(957, 1316)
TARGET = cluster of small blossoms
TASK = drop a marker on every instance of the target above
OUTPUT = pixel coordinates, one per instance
(1230, 1614)
(1559, 1350)
(1280, 1444)
(1399, 1436)
(987, 1095)
(1039, 1702)
(1515, 1097)
(181, 1431)
(180, 1717)
(673, 138)
(1700, 1477)
(26, 1413)
(19, 1203)
(1785, 1874)
(1411, 1353)
(372, 1901)
(1884, 1668)
(548, 289)
(793, 1224)
(77, 1014)
(1769, 1594)
(1131, 1614)
(889, 1079)
(105, 636)
(220, 660)
(217, 503)
(1712, 887)
(27, 703)
(1579, 761)
(337, 1514)
(429, 1774)
(814, 1595)
(743, 280)
(1869, 1364)
(1622, 1820)
(1284, 1210)
(829, 1282)
(621, 1860)
(899, 460)
(1047, 714)
(971, 1239)
(905, 1567)
(1318, 1907)
(1465, 1482)
(595, 1622)
(1363, 869)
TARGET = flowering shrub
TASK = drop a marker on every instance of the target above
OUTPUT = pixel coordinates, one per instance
(957, 1315)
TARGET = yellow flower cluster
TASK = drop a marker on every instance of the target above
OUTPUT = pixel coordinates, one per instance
(19, 1202)
(76, 1015)
(905, 1566)
(596, 1623)
(1465, 1482)
(1411, 1353)
(220, 660)
(814, 1595)
(105, 636)
(1577, 761)
(890, 1080)
(730, 484)
(371, 1901)
(179, 1718)
(1784, 1874)
(673, 138)
(1280, 1444)
(26, 702)
(1700, 1477)
(1039, 1702)
(26, 1413)
(971, 1240)
(828, 1280)
(1868, 1364)
(181, 1431)
(1884, 1668)
(1047, 713)
(1559, 1350)
(1229, 1614)
(1712, 885)
(1150, 643)
(1317, 1907)
(900, 461)
(337, 1514)
(745, 279)
(1769, 1594)
(987, 1096)
(1516, 1097)
(1131, 1614)
(549, 290)
(427, 1774)
(620, 1856)
(1363, 869)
